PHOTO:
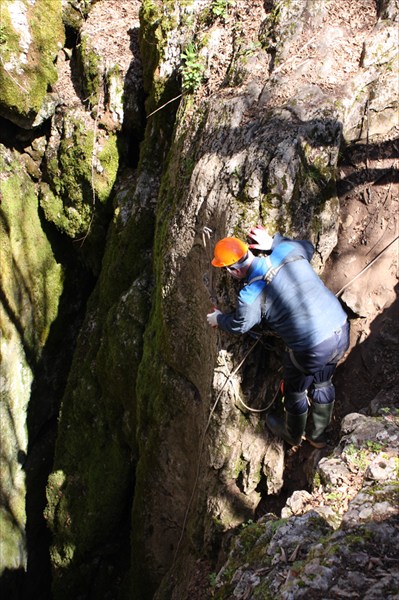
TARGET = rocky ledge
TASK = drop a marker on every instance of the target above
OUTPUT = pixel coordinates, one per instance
(340, 540)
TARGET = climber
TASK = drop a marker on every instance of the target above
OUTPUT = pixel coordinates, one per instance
(282, 290)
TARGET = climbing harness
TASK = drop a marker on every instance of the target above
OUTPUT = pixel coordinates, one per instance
(322, 384)
(272, 271)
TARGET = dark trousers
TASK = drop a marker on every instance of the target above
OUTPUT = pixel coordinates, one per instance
(313, 370)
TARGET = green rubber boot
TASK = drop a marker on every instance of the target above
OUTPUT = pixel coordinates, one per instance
(291, 428)
(321, 414)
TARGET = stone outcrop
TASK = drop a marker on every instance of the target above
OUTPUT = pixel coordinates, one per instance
(341, 537)
(189, 122)
(29, 47)
(31, 284)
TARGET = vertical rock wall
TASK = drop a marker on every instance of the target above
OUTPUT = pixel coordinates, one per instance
(31, 284)
(59, 159)
(157, 452)
(261, 147)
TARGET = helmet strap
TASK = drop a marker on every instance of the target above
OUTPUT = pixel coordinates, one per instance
(243, 262)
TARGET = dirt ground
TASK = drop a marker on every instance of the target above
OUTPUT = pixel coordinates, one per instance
(369, 192)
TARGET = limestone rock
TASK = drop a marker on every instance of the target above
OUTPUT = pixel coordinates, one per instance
(30, 288)
(302, 555)
(32, 34)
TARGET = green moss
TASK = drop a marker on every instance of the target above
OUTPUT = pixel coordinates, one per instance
(270, 200)
(385, 493)
(11, 525)
(30, 277)
(9, 38)
(31, 284)
(78, 178)
(156, 22)
(33, 76)
(316, 480)
(274, 526)
(239, 467)
(91, 71)
(248, 538)
(86, 495)
(109, 159)
(74, 12)
(95, 446)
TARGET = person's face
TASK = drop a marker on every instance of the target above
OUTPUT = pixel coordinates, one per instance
(234, 272)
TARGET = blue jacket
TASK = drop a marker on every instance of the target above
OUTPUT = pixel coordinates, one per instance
(296, 304)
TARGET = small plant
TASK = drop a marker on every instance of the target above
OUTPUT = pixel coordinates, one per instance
(356, 457)
(374, 446)
(212, 579)
(334, 496)
(250, 50)
(3, 35)
(246, 524)
(192, 70)
(220, 7)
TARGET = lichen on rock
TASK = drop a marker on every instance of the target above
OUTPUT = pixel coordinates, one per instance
(327, 537)
(81, 167)
(31, 36)
(31, 282)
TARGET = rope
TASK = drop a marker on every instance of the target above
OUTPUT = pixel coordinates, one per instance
(163, 105)
(201, 447)
(255, 410)
(367, 267)
(236, 394)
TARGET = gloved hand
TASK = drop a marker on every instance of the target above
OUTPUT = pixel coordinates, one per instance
(212, 317)
(262, 238)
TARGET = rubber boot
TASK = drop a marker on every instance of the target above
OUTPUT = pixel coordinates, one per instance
(291, 428)
(321, 414)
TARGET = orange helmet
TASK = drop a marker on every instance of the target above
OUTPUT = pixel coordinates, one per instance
(228, 251)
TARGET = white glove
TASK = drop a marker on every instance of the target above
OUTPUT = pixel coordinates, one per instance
(262, 238)
(212, 317)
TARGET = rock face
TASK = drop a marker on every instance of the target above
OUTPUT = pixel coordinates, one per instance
(31, 285)
(29, 47)
(343, 535)
(161, 450)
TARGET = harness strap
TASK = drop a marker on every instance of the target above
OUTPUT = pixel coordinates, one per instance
(296, 363)
(272, 271)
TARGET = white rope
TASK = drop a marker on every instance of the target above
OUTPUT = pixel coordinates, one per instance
(367, 267)
(229, 377)
(201, 447)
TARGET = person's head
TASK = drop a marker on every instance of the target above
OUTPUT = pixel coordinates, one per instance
(233, 255)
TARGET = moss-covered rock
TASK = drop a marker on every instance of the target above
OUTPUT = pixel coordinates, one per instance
(81, 165)
(92, 71)
(372, 88)
(87, 508)
(74, 12)
(31, 35)
(30, 288)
